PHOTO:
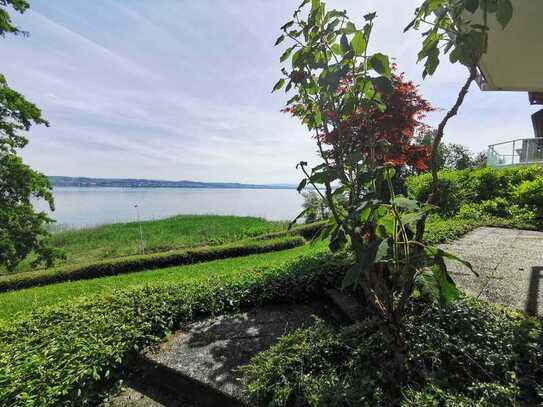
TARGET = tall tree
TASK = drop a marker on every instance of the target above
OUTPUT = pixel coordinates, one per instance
(22, 229)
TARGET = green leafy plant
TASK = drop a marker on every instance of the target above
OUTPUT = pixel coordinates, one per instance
(469, 353)
(334, 78)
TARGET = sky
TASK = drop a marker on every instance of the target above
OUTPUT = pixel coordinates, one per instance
(180, 89)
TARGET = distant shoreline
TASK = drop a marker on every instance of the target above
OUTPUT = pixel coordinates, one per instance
(84, 182)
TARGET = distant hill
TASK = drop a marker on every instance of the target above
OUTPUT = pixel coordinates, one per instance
(57, 181)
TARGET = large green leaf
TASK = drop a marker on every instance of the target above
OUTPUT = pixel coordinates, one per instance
(344, 42)
(380, 64)
(336, 49)
(338, 240)
(373, 254)
(350, 28)
(471, 5)
(278, 85)
(445, 284)
(405, 203)
(358, 43)
(302, 185)
(287, 53)
(382, 250)
(440, 253)
(383, 85)
(504, 13)
(352, 277)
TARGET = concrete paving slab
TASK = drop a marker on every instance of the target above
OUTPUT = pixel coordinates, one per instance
(510, 263)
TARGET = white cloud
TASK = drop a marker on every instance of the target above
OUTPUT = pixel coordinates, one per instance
(181, 90)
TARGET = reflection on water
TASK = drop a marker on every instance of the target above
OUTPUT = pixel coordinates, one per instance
(92, 206)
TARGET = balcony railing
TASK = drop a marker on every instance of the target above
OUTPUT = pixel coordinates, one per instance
(524, 151)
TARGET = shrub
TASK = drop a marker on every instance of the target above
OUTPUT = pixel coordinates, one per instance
(309, 232)
(454, 188)
(145, 262)
(71, 354)
(481, 354)
(500, 208)
(530, 193)
(469, 186)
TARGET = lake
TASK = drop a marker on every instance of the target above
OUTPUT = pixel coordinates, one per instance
(80, 207)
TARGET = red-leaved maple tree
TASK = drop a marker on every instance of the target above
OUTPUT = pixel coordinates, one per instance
(398, 125)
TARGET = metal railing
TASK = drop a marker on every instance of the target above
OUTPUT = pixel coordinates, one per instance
(522, 151)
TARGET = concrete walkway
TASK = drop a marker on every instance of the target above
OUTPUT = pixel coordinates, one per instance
(510, 265)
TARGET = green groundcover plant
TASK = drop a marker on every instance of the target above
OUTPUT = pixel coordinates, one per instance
(468, 354)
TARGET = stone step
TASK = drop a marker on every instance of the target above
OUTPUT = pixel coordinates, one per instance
(199, 365)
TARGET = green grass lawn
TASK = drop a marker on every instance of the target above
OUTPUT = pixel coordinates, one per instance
(122, 239)
(22, 301)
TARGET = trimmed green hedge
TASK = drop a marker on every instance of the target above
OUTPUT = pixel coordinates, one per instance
(308, 231)
(145, 262)
(71, 354)
(472, 186)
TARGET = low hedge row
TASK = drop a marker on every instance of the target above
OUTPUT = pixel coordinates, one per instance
(440, 230)
(471, 186)
(145, 262)
(72, 354)
(308, 231)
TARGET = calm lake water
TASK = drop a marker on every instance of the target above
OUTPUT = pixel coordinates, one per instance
(78, 207)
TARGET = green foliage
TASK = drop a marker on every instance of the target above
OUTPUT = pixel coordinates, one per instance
(22, 229)
(145, 262)
(459, 188)
(315, 208)
(309, 231)
(468, 353)
(6, 25)
(452, 156)
(96, 335)
(13, 304)
(333, 75)
(178, 232)
(439, 229)
(452, 188)
(530, 194)
(450, 27)
(499, 208)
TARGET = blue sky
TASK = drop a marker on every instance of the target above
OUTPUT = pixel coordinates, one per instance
(179, 89)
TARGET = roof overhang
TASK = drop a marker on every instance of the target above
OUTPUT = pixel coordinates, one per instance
(514, 61)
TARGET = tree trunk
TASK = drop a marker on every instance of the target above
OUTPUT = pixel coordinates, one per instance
(433, 198)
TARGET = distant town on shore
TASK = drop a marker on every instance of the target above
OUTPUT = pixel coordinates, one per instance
(60, 181)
